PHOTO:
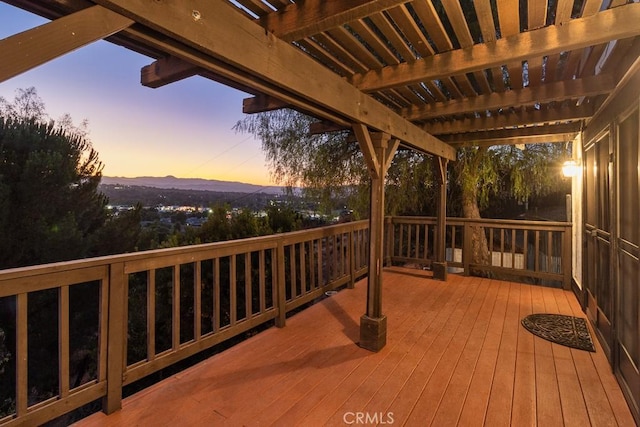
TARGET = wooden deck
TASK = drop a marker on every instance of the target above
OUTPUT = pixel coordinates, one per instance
(456, 354)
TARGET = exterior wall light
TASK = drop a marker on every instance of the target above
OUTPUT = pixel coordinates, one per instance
(570, 168)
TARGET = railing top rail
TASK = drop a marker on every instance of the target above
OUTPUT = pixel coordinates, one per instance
(37, 270)
(253, 243)
(258, 242)
(488, 221)
(316, 233)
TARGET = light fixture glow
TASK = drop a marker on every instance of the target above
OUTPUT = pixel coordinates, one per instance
(570, 168)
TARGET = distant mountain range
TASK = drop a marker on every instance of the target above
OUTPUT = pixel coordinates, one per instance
(191, 184)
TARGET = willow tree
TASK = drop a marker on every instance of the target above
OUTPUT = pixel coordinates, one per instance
(483, 174)
(330, 166)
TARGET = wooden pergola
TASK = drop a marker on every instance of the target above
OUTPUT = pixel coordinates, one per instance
(428, 75)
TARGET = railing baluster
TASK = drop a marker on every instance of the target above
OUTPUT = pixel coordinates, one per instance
(536, 265)
(263, 281)
(549, 252)
(197, 302)
(466, 248)
(426, 242)
(292, 271)
(513, 248)
(233, 284)
(281, 294)
(303, 268)
(453, 245)
(274, 277)
(103, 328)
(501, 247)
(151, 314)
(248, 297)
(567, 257)
(313, 263)
(491, 232)
(217, 316)
(525, 261)
(22, 355)
(175, 339)
(344, 253)
(351, 241)
(63, 341)
(417, 251)
(337, 256)
(320, 263)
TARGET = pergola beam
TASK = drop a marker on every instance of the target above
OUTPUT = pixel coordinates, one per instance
(301, 20)
(29, 49)
(550, 131)
(556, 91)
(262, 103)
(613, 24)
(215, 29)
(536, 139)
(167, 70)
(520, 118)
(183, 61)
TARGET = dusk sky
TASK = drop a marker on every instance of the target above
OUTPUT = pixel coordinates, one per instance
(182, 129)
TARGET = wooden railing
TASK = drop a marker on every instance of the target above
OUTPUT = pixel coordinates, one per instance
(539, 251)
(145, 311)
(121, 318)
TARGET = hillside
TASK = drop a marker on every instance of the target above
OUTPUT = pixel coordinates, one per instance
(198, 184)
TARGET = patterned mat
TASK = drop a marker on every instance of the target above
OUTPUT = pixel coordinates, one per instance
(566, 330)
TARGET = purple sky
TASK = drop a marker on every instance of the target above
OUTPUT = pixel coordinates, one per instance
(182, 129)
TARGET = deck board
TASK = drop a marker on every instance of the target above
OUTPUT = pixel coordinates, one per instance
(450, 409)
(500, 406)
(456, 354)
(548, 400)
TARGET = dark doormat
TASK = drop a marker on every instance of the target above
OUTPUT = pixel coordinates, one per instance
(566, 330)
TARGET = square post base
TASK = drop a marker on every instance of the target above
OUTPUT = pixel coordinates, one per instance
(439, 270)
(373, 332)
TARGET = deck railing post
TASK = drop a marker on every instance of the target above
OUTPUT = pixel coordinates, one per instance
(282, 296)
(116, 334)
(439, 264)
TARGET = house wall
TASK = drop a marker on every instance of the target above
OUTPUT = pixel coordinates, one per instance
(610, 228)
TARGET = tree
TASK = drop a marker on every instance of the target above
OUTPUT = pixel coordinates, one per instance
(217, 228)
(26, 105)
(49, 175)
(331, 165)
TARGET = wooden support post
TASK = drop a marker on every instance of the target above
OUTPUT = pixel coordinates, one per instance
(439, 264)
(378, 152)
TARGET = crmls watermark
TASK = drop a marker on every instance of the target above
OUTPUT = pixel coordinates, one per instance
(364, 418)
